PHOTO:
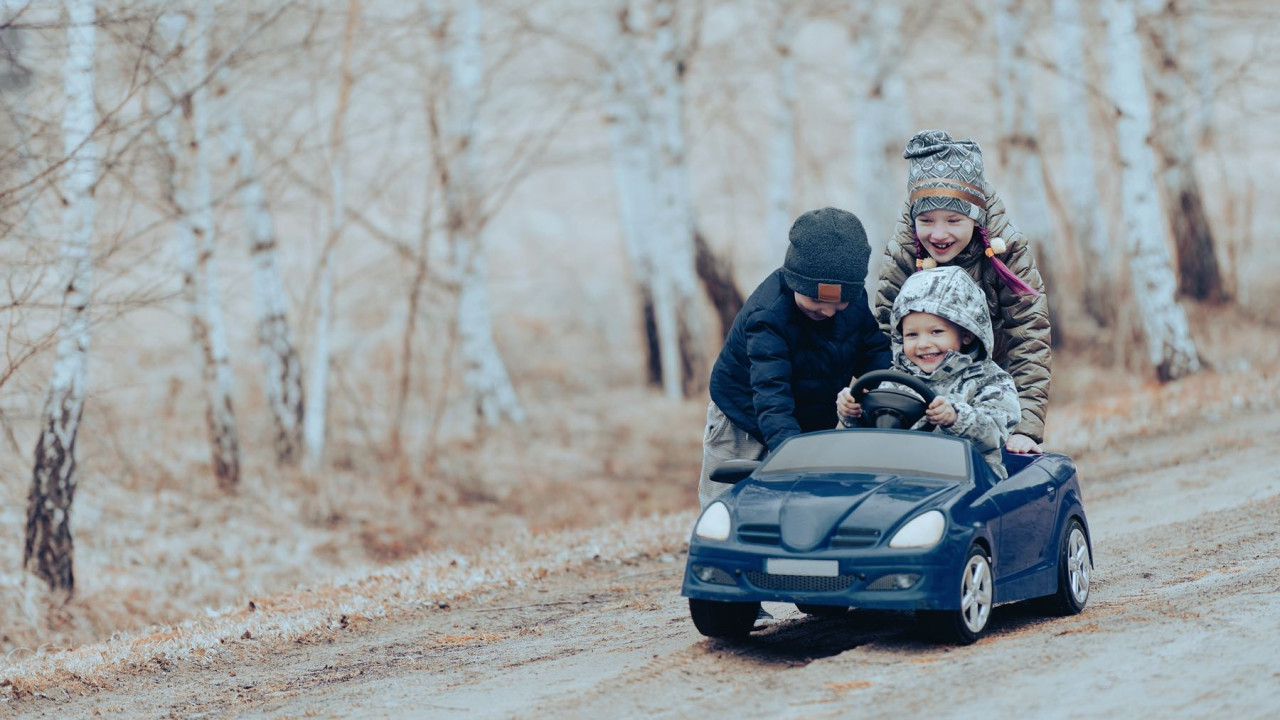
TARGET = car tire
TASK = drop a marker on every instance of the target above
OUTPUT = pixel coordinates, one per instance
(727, 620)
(1075, 571)
(823, 610)
(966, 625)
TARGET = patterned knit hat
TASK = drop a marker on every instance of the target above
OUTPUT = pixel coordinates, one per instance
(946, 174)
(827, 257)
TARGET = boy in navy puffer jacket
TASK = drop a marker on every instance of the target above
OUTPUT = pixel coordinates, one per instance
(803, 333)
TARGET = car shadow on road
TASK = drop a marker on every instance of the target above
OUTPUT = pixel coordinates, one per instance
(801, 639)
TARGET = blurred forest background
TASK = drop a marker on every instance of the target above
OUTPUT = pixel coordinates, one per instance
(291, 288)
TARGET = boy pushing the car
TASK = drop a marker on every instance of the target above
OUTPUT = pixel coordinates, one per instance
(799, 337)
(942, 335)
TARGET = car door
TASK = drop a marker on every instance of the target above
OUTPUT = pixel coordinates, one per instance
(1028, 504)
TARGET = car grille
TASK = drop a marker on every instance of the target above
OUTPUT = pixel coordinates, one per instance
(799, 583)
(854, 537)
(759, 534)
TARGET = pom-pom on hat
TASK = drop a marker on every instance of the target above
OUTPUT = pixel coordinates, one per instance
(943, 173)
(827, 256)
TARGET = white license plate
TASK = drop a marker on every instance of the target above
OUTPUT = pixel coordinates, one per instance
(812, 568)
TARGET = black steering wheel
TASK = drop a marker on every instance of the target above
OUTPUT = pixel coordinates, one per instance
(890, 407)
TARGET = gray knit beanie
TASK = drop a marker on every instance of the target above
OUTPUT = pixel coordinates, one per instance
(943, 173)
(827, 257)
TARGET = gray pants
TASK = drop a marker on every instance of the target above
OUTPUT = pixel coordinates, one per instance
(722, 441)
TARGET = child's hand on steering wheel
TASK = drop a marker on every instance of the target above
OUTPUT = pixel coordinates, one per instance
(940, 412)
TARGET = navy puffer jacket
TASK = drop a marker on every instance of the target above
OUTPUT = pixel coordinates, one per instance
(779, 371)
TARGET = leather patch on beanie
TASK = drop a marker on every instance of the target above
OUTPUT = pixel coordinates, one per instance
(828, 292)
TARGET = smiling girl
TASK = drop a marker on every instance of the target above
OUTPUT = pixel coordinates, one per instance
(953, 217)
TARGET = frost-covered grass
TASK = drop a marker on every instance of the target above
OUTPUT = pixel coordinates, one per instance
(422, 582)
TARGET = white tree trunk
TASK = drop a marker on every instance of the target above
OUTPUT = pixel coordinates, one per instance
(282, 370)
(1028, 200)
(625, 115)
(879, 122)
(782, 134)
(485, 376)
(1170, 349)
(1079, 174)
(218, 380)
(677, 291)
(49, 549)
(1199, 276)
(315, 419)
(192, 197)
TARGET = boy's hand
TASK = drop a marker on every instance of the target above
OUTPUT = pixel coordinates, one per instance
(847, 407)
(941, 412)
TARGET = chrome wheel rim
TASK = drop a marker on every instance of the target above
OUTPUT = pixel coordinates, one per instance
(975, 593)
(1079, 566)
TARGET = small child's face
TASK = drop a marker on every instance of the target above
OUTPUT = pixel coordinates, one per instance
(927, 338)
(819, 310)
(944, 233)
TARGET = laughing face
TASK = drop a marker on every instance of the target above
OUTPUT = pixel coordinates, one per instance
(944, 233)
(927, 338)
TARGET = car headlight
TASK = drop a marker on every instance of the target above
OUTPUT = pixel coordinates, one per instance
(714, 523)
(922, 532)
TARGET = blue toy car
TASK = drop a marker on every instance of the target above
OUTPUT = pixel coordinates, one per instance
(889, 519)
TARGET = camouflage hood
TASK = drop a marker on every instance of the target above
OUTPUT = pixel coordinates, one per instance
(949, 293)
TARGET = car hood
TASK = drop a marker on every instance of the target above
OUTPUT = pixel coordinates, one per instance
(805, 512)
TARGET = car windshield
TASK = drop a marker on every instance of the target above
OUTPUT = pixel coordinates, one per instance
(895, 452)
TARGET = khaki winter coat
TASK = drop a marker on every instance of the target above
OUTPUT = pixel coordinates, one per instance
(1020, 322)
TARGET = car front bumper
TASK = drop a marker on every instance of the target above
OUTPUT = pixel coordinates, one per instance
(735, 574)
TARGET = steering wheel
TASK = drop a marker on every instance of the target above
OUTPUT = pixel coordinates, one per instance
(890, 407)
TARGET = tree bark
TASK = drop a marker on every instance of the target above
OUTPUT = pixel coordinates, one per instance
(1086, 223)
(879, 125)
(49, 552)
(1199, 276)
(191, 195)
(1020, 145)
(1170, 350)
(315, 418)
(485, 377)
(782, 136)
(716, 274)
(282, 369)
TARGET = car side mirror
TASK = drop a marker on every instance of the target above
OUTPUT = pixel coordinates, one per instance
(733, 472)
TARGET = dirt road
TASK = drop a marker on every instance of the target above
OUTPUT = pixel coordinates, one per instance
(1184, 621)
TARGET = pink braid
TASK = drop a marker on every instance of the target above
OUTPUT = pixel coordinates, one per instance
(1011, 281)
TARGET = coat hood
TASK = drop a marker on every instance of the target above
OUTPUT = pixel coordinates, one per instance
(949, 293)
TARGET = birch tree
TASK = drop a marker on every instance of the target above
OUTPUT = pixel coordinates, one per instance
(1170, 349)
(1020, 144)
(485, 379)
(649, 59)
(282, 370)
(49, 550)
(1085, 222)
(1199, 276)
(316, 410)
(879, 120)
(782, 137)
(623, 79)
(667, 61)
(192, 197)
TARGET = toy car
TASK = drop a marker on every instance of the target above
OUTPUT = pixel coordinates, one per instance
(884, 518)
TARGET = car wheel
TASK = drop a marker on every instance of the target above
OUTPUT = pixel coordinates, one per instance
(823, 610)
(1075, 570)
(966, 625)
(723, 619)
